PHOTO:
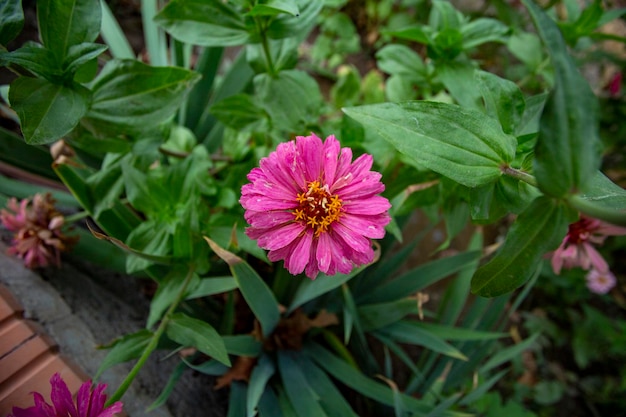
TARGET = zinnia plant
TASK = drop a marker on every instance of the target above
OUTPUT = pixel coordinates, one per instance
(37, 226)
(310, 205)
(89, 403)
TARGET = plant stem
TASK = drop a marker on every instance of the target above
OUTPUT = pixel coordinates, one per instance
(519, 175)
(271, 70)
(153, 342)
(72, 218)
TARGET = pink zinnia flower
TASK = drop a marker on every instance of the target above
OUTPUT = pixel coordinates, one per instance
(600, 282)
(38, 238)
(89, 403)
(310, 205)
(577, 248)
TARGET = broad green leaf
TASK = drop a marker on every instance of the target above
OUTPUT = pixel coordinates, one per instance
(604, 200)
(310, 289)
(124, 349)
(39, 61)
(80, 54)
(297, 27)
(63, 24)
(238, 111)
(275, 7)
(12, 20)
(301, 394)
(144, 193)
(204, 23)
(199, 334)
(567, 151)
(459, 80)
(413, 33)
(400, 60)
(483, 30)
(47, 111)
(503, 100)
(414, 333)
(259, 377)
(465, 145)
(537, 230)
(527, 48)
(418, 278)
(212, 286)
(129, 95)
(292, 99)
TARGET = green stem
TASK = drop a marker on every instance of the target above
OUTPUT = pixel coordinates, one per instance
(520, 175)
(271, 70)
(153, 342)
(73, 218)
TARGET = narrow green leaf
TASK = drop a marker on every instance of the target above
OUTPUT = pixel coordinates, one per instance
(538, 229)
(203, 23)
(242, 345)
(459, 333)
(464, 145)
(124, 349)
(66, 23)
(47, 111)
(129, 95)
(259, 377)
(258, 296)
(237, 399)
(12, 20)
(199, 334)
(34, 159)
(113, 35)
(301, 395)
(310, 289)
(414, 333)
(419, 278)
(167, 292)
(211, 286)
(156, 43)
(375, 316)
(507, 354)
(482, 389)
(169, 387)
(567, 151)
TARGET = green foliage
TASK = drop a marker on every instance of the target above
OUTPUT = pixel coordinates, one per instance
(157, 153)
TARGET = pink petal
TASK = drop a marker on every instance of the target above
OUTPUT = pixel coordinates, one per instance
(353, 240)
(259, 202)
(372, 227)
(299, 257)
(372, 205)
(62, 397)
(594, 259)
(343, 168)
(310, 148)
(281, 236)
(366, 186)
(268, 219)
(331, 153)
(312, 269)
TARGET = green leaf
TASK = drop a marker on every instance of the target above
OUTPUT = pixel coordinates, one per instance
(458, 78)
(413, 33)
(259, 377)
(375, 316)
(537, 230)
(129, 95)
(401, 60)
(503, 100)
(604, 200)
(211, 286)
(12, 20)
(258, 296)
(292, 99)
(34, 159)
(238, 111)
(459, 333)
(203, 23)
(419, 278)
(124, 349)
(63, 24)
(178, 372)
(302, 396)
(81, 54)
(199, 334)
(296, 27)
(483, 30)
(527, 48)
(507, 354)
(412, 332)
(464, 145)
(242, 345)
(310, 289)
(167, 292)
(39, 61)
(275, 7)
(47, 111)
(113, 35)
(567, 151)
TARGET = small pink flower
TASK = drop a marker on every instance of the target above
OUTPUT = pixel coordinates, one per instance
(600, 282)
(89, 403)
(577, 248)
(310, 205)
(38, 238)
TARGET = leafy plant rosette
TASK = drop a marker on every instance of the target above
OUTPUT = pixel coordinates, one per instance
(156, 154)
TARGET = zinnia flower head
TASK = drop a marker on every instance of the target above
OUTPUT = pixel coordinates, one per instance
(577, 248)
(310, 205)
(600, 282)
(89, 403)
(38, 238)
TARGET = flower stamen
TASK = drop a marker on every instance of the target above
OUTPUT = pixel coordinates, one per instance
(318, 208)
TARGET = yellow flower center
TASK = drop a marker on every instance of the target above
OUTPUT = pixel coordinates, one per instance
(318, 208)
